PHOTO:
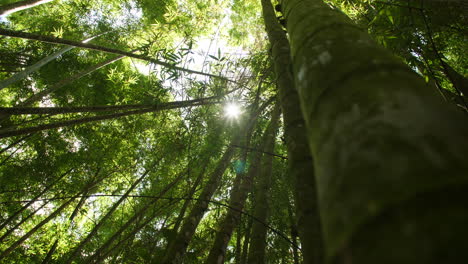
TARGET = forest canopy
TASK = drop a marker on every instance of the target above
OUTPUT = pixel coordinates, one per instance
(216, 131)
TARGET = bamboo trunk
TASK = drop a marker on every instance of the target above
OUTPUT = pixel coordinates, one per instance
(101, 252)
(241, 188)
(24, 35)
(20, 5)
(176, 250)
(140, 109)
(258, 241)
(114, 207)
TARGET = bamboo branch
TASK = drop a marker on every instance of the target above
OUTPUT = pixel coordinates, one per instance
(54, 40)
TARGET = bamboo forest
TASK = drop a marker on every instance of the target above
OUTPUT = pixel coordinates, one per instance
(234, 131)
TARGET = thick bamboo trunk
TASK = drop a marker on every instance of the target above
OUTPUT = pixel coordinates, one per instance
(300, 162)
(258, 241)
(20, 5)
(390, 157)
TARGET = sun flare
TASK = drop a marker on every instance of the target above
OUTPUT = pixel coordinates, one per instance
(232, 110)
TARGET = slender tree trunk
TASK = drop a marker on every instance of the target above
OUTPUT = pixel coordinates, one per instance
(23, 220)
(390, 157)
(133, 232)
(245, 245)
(258, 239)
(22, 74)
(50, 252)
(242, 187)
(47, 188)
(459, 81)
(69, 109)
(20, 5)
(300, 162)
(97, 109)
(176, 250)
(34, 229)
(88, 186)
(90, 235)
(164, 106)
(99, 254)
(36, 66)
(293, 235)
(212, 139)
(14, 144)
(71, 218)
(237, 257)
(24, 35)
(192, 191)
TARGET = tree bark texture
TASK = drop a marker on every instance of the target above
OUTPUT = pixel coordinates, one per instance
(390, 157)
(300, 162)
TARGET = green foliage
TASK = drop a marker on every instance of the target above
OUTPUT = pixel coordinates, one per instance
(425, 35)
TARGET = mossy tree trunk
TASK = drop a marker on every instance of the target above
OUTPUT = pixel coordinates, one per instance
(300, 162)
(390, 157)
